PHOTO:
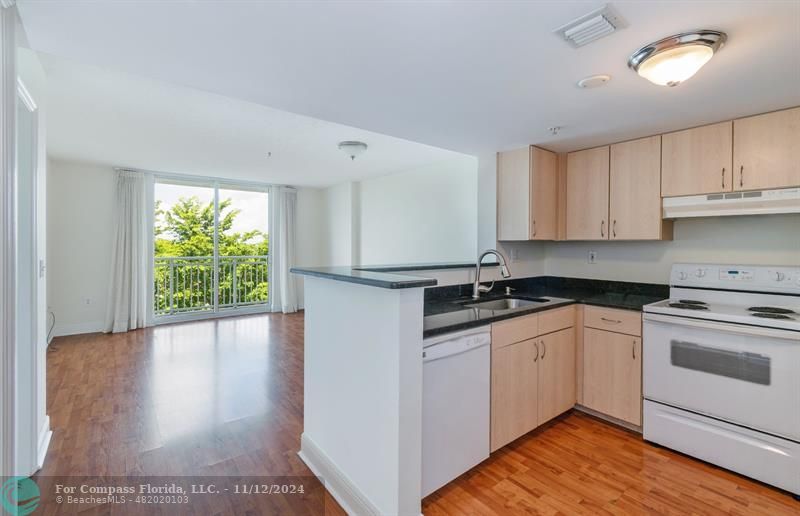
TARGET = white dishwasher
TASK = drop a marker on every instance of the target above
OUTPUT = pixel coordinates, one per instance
(455, 405)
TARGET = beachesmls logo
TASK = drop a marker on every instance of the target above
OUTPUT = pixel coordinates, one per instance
(20, 496)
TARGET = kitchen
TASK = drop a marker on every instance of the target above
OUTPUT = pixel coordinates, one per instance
(703, 364)
(403, 258)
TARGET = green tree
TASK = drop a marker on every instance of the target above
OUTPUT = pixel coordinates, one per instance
(187, 229)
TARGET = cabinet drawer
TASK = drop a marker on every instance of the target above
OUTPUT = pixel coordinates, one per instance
(611, 319)
(515, 330)
(556, 319)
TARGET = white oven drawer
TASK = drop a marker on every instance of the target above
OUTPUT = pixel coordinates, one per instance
(766, 458)
(743, 374)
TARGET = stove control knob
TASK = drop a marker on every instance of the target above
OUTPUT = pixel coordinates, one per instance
(700, 273)
(779, 276)
(682, 275)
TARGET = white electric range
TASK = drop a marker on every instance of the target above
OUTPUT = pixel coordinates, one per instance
(721, 369)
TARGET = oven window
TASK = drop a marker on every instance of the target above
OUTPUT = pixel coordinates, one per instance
(750, 367)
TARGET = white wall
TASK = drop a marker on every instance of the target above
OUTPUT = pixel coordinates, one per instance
(80, 220)
(426, 214)
(759, 240)
(337, 225)
(363, 394)
(310, 229)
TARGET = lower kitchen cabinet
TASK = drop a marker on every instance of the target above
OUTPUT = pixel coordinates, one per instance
(612, 374)
(533, 379)
(515, 391)
(556, 374)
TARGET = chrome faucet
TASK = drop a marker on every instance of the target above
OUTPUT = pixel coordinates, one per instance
(477, 288)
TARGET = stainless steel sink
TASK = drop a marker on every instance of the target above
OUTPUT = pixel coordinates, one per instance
(507, 303)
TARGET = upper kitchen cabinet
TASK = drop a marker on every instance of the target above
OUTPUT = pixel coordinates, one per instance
(766, 150)
(697, 161)
(587, 194)
(527, 189)
(635, 191)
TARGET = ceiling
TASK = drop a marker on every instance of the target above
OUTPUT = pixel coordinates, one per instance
(470, 76)
(112, 118)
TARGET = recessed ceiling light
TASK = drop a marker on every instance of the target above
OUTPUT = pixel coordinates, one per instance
(352, 148)
(672, 60)
(593, 81)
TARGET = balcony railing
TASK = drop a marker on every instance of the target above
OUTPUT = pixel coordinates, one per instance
(186, 283)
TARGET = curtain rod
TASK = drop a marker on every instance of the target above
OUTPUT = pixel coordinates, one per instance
(192, 177)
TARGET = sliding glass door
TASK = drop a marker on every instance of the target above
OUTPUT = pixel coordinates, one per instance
(211, 249)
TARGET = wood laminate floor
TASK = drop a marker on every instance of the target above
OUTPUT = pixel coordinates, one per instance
(225, 397)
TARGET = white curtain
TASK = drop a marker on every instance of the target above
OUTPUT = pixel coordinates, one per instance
(129, 282)
(282, 283)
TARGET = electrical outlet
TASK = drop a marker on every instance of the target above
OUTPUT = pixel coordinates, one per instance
(87, 301)
(592, 256)
(514, 254)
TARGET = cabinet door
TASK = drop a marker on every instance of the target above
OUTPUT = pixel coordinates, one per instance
(514, 391)
(766, 151)
(697, 161)
(635, 191)
(587, 194)
(544, 193)
(513, 194)
(612, 374)
(556, 374)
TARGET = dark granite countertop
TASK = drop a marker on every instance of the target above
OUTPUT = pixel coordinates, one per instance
(373, 279)
(422, 266)
(444, 310)
(381, 275)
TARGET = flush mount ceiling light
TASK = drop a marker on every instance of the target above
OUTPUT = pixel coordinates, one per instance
(353, 149)
(672, 60)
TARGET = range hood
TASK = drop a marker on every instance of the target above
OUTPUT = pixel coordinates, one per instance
(785, 200)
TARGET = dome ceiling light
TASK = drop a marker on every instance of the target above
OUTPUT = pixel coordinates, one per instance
(672, 60)
(353, 149)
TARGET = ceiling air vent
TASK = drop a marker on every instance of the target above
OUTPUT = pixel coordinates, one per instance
(589, 27)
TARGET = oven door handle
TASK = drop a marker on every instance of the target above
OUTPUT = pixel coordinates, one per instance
(741, 329)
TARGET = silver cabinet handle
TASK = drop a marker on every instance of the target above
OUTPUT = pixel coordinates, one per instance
(544, 349)
(602, 228)
(536, 358)
(633, 350)
(614, 228)
(534, 227)
(615, 321)
(741, 176)
(723, 178)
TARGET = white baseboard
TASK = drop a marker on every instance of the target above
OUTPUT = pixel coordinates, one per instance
(45, 434)
(62, 330)
(335, 481)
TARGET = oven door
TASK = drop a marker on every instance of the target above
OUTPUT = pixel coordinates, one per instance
(747, 375)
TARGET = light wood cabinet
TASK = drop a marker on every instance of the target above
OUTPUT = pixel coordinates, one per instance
(587, 194)
(515, 391)
(556, 374)
(697, 161)
(527, 185)
(635, 191)
(612, 374)
(766, 151)
(533, 375)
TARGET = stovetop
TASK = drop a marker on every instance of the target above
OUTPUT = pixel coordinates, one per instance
(769, 310)
(757, 295)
